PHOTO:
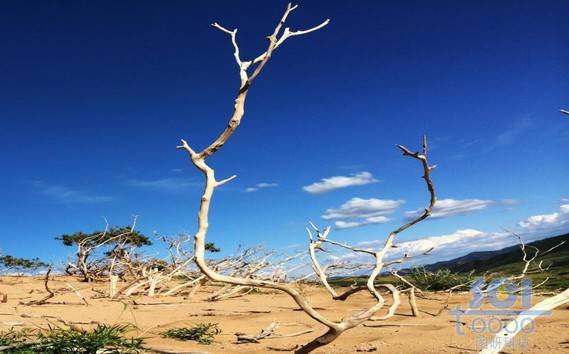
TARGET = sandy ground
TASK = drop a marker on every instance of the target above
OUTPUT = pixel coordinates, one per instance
(402, 333)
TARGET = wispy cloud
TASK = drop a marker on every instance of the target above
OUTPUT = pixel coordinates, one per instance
(358, 212)
(509, 201)
(450, 207)
(446, 246)
(456, 240)
(510, 135)
(68, 195)
(170, 184)
(337, 182)
(441, 247)
(372, 220)
(261, 185)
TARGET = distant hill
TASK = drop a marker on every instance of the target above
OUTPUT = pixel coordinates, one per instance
(508, 257)
(503, 262)
(509, 261)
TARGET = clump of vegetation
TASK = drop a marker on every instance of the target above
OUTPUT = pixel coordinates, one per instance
(96, 250)
(203, 333)
(113, 235)
(442, 279)
(13, 338)
(210, 247)
(104, 338)
(10, 263)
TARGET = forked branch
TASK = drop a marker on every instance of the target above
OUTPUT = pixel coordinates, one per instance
(335, 328)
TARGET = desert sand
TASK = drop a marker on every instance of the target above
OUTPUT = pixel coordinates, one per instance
(249, 314)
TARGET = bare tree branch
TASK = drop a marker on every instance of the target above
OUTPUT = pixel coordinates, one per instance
(335, 328)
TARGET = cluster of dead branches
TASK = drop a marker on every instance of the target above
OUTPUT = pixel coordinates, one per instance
(114, 256)
(102, 253)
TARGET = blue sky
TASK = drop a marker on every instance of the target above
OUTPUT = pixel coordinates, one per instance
(96, 95)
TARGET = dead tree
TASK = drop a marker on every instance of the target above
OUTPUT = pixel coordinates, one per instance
(249, 71)
(114, 247)
(531, 265)
(154, 275)
(50, 293)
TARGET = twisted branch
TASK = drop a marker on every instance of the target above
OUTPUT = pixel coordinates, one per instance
(335, 328)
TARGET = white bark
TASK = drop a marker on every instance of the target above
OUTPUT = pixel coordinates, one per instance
(199, 161)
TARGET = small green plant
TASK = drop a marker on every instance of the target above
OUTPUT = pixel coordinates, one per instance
(104, 338)
(13, 337)
(203, 333)
(210, 247)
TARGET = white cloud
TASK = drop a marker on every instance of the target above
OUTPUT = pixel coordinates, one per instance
(457, 239)
(360, 212)
(547, 222)
(444, 247)
(342, 225)
(170, 184)
(359, 207)
(68, 195)
(449, 207)
(447, 246)
(464, 241)
(260, 186)
(337, 182)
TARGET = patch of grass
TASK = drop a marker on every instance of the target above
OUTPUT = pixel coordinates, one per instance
(203, 333)
(103, 339)
(442, 279)
(13, 337)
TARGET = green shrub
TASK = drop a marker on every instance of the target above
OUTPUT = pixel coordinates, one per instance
(442, 279)
(203, 333)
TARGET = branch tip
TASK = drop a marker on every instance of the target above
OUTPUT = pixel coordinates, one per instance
(223, 181)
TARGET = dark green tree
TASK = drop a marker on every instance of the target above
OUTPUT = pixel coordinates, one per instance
(112, 242)
(112, 236)
(8, 263)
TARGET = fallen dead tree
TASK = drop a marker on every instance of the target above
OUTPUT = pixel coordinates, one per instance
(267, 333)
(50, 294)
(53, 293)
